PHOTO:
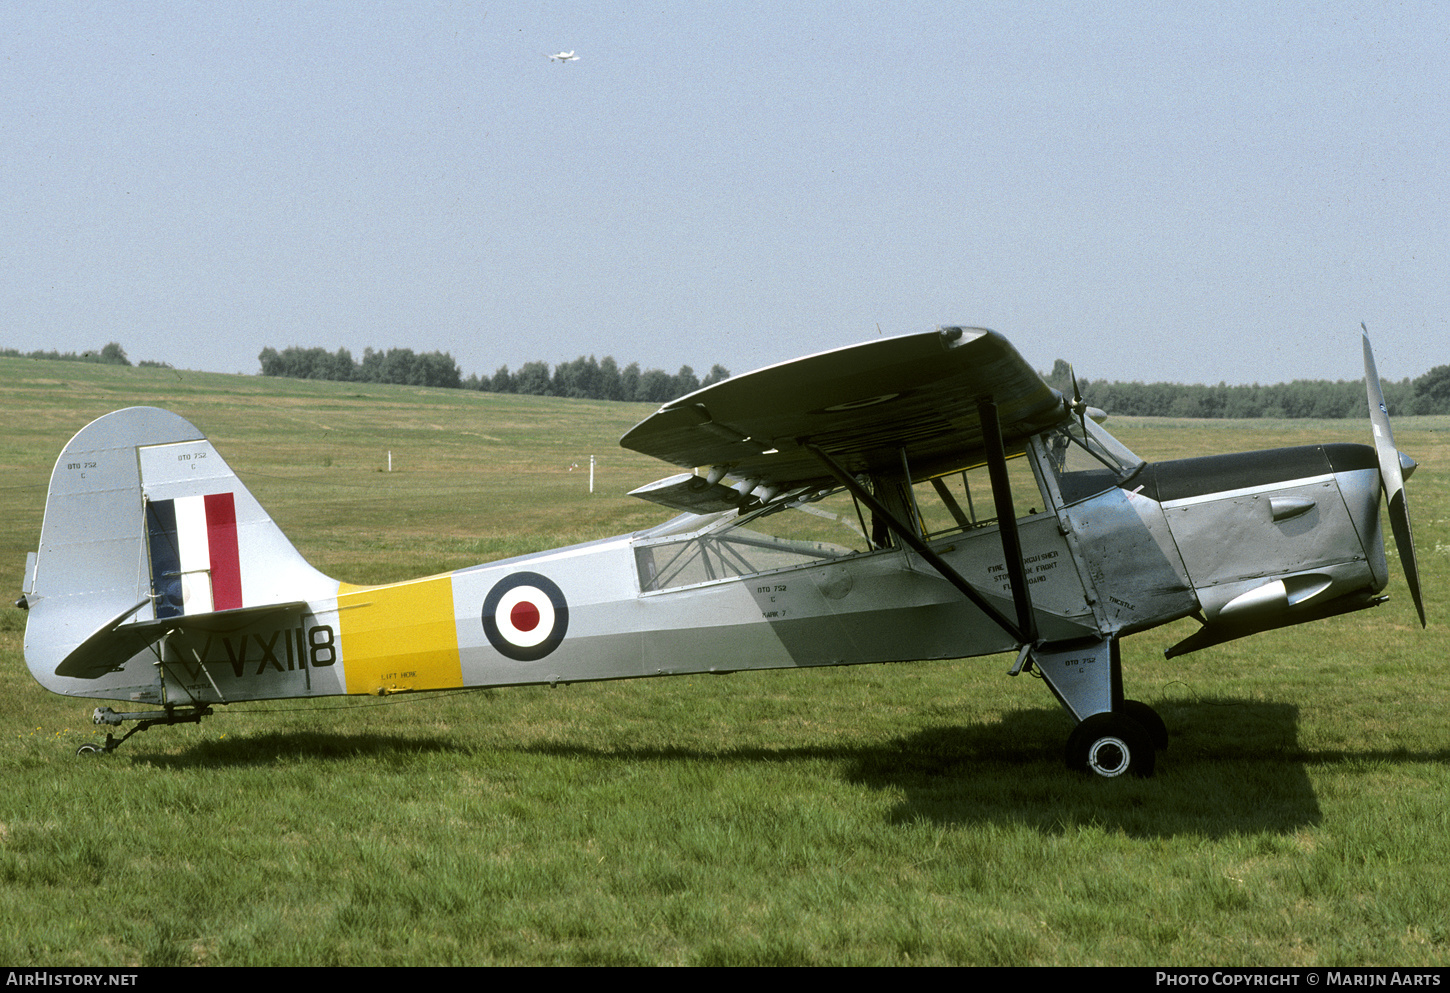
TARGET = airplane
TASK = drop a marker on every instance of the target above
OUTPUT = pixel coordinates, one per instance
(568, 56)
(926, 496)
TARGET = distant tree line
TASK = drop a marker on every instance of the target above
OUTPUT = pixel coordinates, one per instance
(401, 366)
(605, 380)
(598, 380)
(112, 354)
(1428, 394)
(584, 377)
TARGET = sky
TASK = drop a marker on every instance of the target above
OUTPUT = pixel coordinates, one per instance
(1157, 191)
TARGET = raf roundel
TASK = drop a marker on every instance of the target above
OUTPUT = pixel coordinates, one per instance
(525, 616)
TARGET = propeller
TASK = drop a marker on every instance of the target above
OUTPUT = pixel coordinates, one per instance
(1392, 476)
(1076, 405)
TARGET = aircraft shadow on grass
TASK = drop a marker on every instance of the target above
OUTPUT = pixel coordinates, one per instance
(1232, 766)
(243, 751)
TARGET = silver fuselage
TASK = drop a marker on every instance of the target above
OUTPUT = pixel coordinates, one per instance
(1244, 542)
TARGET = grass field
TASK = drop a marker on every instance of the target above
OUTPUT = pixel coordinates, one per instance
(915, 813)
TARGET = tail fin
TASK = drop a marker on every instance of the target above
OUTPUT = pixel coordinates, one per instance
(145, 521)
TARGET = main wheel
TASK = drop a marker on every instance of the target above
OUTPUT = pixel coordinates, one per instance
(89, 750)
(1110, 745)
(1148, 719)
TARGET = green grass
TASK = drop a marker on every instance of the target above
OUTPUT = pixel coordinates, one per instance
(914, 813)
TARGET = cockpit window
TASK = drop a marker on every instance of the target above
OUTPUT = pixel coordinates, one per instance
(963, 500)
(800, 530)
(1087, 460)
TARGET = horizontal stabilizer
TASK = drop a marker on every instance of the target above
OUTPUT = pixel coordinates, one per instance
(115, 642)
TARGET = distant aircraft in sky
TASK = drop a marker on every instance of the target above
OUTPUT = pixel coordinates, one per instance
(568, 56)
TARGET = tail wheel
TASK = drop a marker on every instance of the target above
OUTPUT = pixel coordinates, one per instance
(1111, 745)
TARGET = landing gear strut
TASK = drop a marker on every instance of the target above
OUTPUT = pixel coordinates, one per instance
(1116, 736)
(144, 719)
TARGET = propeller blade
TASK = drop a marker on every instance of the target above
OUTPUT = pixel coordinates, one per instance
(1392, 476)
(1077, 406)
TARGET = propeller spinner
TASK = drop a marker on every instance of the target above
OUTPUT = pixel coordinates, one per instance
(1392, 476)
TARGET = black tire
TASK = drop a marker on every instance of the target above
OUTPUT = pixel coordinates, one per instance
(1111, 745)
(89, 750)
(1148, 719)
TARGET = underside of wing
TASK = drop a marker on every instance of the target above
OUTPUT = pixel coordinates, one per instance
(868, 406)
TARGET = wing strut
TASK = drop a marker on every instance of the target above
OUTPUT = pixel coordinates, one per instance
(911, 538)
(1007, 519)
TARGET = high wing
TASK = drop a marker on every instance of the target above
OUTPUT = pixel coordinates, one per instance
(869, 406)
